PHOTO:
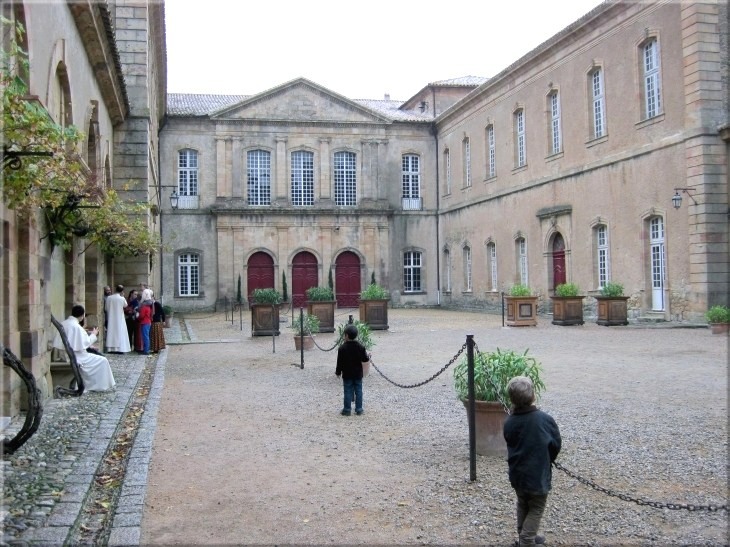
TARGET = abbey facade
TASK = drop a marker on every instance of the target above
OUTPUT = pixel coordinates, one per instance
(561, 168)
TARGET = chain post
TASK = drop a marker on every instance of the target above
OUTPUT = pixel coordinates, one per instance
(472, 408)
(503, 308)
(274, 325)
(350, 321)
(301, 336)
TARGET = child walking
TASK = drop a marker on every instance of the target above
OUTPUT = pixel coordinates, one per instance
(533, 443)
(350, 357)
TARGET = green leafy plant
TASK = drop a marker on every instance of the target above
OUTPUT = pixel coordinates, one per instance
(363, 333)
(718, 314)
(567, 289)
(309, 324)
(266, 296)
(167, 310)
(320, 294)
(520, 290)
(374, 292)
(612, 289)
(492, 373)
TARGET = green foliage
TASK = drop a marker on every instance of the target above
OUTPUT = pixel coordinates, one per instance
(330, 283)
(567, 289)
(520, 290)
(495, 370)
(718, 314)
(284, 288)
(612, 289)
(309, 324)
(374, 292)
(167, 310)
(363, 333)
(239, 298)
(58, 184)
(320, 294)
(266, 296)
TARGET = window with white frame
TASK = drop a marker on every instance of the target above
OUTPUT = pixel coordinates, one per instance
(598, 106)
(412, 271)
(258, 163)
(447, 170)
(467, 268)
(652, 79)
(491, 152)
(345, 179)
(302, 178)
(521, 247)
(188, 274)
(555, 133)
(411, 177)
(447, 270)
(466, 153)
(492, 266)
(520, 145)
(602, 256)
(187, 173)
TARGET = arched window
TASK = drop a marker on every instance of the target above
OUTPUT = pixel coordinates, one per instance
(598, 104)
(492, 265)
(521, 253)
(650, 69)
(466, 251)
(556, 138)
(603, 263)
(411, 178)
(520, 144)
(466, 158)
(447, 271)
(491, 152)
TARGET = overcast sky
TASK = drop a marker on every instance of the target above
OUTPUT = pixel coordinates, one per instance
(361, 50)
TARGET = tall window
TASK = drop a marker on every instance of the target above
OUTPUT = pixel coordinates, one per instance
(302, 178)
(652, 80)
(447, 169)
(466, 149)
(521, 247)
(467, 268)
(187, 173)
(602, 258)
(447, 270)
(598, 104)
(491, 154)
(345, 178)
(188, 274)
(259, 177)
(492, 266)
(555, 135)
(520, 150)
(412, 271)
(411, 178)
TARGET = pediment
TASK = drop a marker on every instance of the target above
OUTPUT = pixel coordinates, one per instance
(299, 101)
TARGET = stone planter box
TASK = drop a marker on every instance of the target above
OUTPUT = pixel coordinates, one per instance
(612, 310)
(264, 320)
(374, 313)
(567, 310)
(325, 312)
(521, 311)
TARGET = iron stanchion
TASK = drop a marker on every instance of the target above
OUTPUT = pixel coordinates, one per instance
(301, 336)
(240, 314)
(472, 408)
(503, 308)
(274, 325)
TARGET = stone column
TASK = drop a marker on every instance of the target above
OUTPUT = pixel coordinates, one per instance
(238, 177)
(220, 166)
(279, 190)
(325, 169)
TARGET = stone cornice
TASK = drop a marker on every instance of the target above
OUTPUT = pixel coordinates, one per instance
(95, 29)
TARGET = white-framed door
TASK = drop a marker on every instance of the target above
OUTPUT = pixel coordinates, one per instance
(658, 263)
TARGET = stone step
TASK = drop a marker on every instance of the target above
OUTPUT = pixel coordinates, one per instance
(652, 317)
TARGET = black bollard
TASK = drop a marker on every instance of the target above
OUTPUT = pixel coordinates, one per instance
(472, 408)
(503, 308)
(301, 338)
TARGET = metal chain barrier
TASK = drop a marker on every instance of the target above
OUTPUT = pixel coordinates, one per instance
(640, 501)
(337, 343)
(419, 384)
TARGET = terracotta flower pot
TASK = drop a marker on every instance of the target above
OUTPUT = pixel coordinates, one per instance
(308, 342)
(489, 426)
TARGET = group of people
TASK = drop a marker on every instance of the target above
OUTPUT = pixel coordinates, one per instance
(133, 322)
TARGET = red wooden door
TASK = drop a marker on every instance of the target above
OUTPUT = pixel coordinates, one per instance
(304, 275)
(558, 261)
(347, 280)
(260, 273)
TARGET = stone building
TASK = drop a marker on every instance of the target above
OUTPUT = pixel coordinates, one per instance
(561, 168)
(101, 67)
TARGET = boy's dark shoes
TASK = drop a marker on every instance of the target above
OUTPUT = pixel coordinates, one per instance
(539, 540)
(359, 412)
(345, 413)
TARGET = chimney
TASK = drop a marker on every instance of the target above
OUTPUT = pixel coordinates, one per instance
(387, 96)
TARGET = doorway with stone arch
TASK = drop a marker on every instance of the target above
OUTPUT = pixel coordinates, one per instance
(557, 254)
(304, 274)
(347, 280)
(260, 273)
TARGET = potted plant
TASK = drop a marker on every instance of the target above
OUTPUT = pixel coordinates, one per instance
(321, 302)
(567, 305)
(363, 336)
(167, 310)
(304, 326)
(492, 373)
(265, 312)
(521, 307)
(374, 307)
(719, 319)
(612, 305)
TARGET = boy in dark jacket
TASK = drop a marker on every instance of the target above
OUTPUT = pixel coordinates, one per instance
(350, 357)
(533, 443)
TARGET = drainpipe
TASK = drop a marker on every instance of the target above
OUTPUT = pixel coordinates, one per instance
(438, 207)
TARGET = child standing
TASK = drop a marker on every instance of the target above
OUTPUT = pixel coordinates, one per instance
(350, 357)
(533, 443)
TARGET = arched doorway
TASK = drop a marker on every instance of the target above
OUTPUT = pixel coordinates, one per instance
(558, 252)
(304, 275)
(347, 280)
(260, 273)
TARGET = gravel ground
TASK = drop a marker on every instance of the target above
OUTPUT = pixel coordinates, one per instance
(250, 449)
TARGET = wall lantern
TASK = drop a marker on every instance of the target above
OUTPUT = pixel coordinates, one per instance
(174, 199)
(677, 198)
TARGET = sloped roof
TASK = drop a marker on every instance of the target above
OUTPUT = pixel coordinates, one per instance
(464, 81)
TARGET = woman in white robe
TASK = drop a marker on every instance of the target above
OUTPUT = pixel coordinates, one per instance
(95, 369)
